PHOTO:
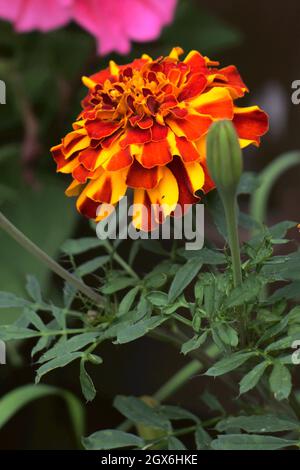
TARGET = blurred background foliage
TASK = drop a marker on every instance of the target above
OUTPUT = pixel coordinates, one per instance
(43, 77)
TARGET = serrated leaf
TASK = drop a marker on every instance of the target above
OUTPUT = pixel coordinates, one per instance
(250, 380)
(229, 363)
(111, 439)
(183, 278)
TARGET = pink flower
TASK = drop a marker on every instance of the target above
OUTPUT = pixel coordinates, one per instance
(114, 23)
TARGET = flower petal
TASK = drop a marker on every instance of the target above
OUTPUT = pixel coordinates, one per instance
(250, 123)
(140, 177)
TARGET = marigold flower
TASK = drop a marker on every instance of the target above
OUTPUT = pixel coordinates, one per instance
(114, 23)
(144, 125)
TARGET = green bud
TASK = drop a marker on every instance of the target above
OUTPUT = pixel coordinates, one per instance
(196, 322)
(224, 157)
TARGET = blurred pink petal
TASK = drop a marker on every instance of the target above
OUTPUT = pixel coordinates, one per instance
(42, 15)
(114, 23)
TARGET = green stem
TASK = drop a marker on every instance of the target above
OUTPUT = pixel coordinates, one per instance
(32, 248)
(268, 177)
(230, 207)
(179, 379)
(170, 387)
(120, 260)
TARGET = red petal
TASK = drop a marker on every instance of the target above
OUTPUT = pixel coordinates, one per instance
(158, 132)
(194, 87)
(145, 123)
(100, 129)
(251, 124)
(234, 80)
(187, 150)
(196, 62)
(155, 153)
(88, 208)
(80, 173)
(193, 126)
(119, 160)
(88, 157)
(136, 136)
(140, 177)
(186, 195)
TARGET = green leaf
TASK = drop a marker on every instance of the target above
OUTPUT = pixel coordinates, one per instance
(291, 291)
(56, 363)
(229, 363)
(71, 345)
(92, 265)
(34, 289)
(131, 332)
(127, 301)
(139, 412)
(250, 380)
(183, 278)
(247, 292)
(111, 439)
(75, 247)
(87, 385)
(117, 284)
(250, 442)
(8, 300)
(11, 403)
(205, 256)
(202, 438)
(282, 343)
(258, 424)
(11, 332)
(155, 280)
(227, 334)
(158, 299)
(175, 444)
(280, 381)
(194, 343)
(175, 413)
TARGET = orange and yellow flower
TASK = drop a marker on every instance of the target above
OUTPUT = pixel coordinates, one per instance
(144, 125)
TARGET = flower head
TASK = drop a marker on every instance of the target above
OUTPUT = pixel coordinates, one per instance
(144, 126)
(114, 23)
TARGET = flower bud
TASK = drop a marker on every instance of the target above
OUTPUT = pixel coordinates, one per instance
(224, 157)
